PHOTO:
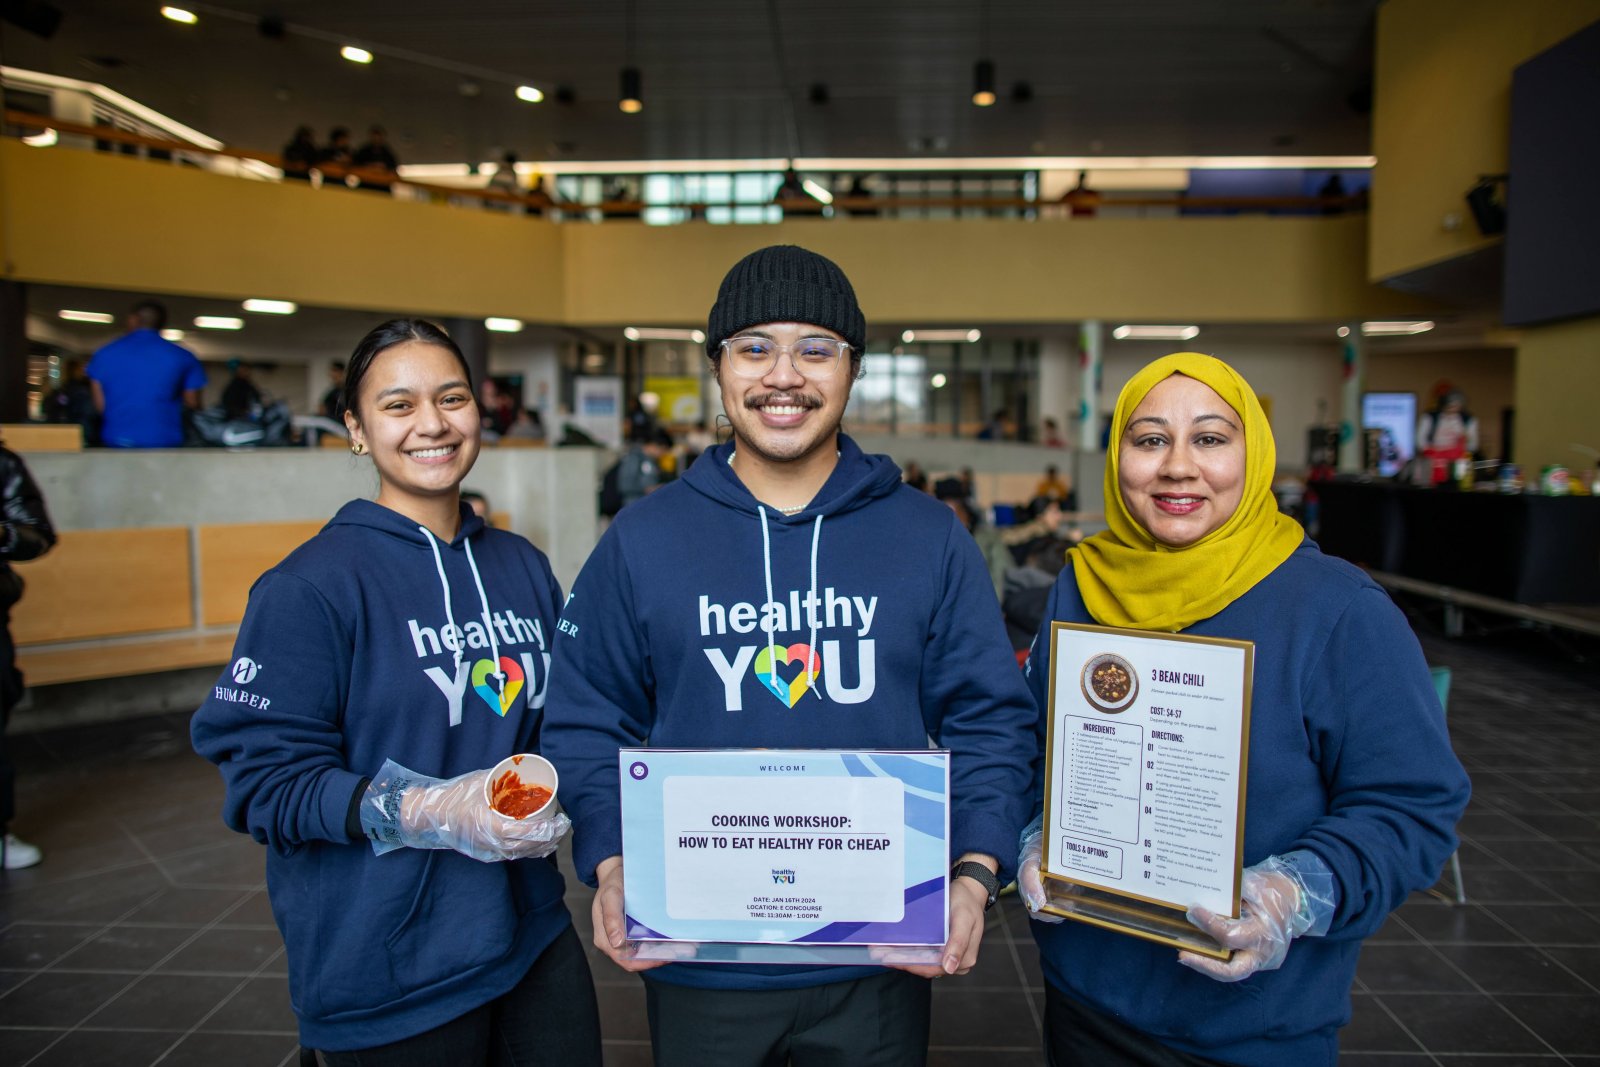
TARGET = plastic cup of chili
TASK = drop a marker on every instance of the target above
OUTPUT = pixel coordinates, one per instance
(522, 787)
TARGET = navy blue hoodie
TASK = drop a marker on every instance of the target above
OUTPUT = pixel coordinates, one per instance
(1349, 759)
(695, 587)
(370, 642)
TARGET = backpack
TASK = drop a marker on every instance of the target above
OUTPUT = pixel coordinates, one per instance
(610, 491)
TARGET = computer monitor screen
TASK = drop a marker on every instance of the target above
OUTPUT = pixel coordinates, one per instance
(1389, 422)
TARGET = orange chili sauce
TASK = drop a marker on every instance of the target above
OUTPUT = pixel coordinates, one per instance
(516, 800)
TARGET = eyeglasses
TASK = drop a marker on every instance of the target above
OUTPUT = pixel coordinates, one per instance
(754, 357)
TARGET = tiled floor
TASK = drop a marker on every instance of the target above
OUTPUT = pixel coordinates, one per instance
(145, 937)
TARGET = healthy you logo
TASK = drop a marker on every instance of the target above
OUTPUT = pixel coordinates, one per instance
(789, 671)
(524, 675)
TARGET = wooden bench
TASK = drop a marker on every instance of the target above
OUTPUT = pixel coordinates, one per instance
(41, 437)
(112, 603)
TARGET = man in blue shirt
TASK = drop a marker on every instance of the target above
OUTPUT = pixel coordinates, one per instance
(142, 383)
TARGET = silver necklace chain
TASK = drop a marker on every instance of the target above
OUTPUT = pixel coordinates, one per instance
(798, 508)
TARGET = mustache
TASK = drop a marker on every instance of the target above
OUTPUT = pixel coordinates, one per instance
(797, 399)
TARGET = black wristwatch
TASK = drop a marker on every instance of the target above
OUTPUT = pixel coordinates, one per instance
(980, 874)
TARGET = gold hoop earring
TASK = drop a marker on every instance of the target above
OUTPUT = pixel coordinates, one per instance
(358, 449)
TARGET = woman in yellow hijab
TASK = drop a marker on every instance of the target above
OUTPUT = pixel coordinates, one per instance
(1353, 792)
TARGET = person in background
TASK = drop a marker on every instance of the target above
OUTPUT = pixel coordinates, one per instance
(1050, 434)
(73, 402)
(506, 180)
(789, 504)
(1082, 201)
(1052, 487)
(336, 154)
(914, 476)
(639, 473)
(996, 545)
(1353, 792)
(25, 533)
(240, 397)
(332, 405)
(478, 503)
(380, 673)
(1027, 590)
(528, 425)
(299, 155)
(497, 407)
(143, 383)
(376, 156)
(1000, 427)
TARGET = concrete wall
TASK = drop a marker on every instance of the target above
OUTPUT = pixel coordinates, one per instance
(549, 494)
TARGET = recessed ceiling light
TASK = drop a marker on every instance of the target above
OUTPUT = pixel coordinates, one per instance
(1343, 331)
(103, 318)
(271, 307)
(1156, 333)
(955, 336)
(663, 333)
(356, 55)
(529, 93)
(503, 325)
(938, 381)
(178, 14)
(172, 335)
(1395, 329)
(218, 322)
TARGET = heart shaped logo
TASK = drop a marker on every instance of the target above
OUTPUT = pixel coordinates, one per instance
(791, 690)
(482, 684)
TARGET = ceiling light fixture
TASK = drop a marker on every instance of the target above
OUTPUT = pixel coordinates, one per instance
(631, 98)
(938, 381)
(218, 322)
(1395, 329)
(355, 55)
(529, 94)
(172, 335)
(45, 138)
(983, 83)
(99, 317)
(953, 336)
(631, 101)
(1156, 333)
(178, 14)
(499, 325)
(663, 333)
(271, 307)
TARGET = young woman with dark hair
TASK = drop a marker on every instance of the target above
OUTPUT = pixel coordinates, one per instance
(381, 669)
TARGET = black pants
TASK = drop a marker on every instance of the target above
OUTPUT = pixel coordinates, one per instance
(878, 1021)
(548, 1018)
(1076, 1035)
(10, 695)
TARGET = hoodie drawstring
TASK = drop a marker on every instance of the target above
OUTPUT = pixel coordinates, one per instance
(449, 615)
(488, 623)
(811, 642)
(766, 571)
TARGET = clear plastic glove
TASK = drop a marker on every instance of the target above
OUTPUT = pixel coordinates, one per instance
(1030, 884)
(403, 809)
(1284, 897)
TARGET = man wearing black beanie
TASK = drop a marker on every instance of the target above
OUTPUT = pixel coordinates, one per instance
(877, 631)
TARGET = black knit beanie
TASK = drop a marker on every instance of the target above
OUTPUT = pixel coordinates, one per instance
(786, 283)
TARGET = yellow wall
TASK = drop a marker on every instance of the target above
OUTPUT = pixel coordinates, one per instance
(81, 218)
(1251, 269)
(106, 221)
(1443, 115)
(1558, 394)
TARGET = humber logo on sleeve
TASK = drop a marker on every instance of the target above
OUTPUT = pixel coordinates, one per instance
(525, 675)
(782, 668)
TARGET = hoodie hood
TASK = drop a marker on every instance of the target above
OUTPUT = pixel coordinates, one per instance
(857, 480)
(375, 516)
